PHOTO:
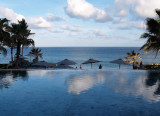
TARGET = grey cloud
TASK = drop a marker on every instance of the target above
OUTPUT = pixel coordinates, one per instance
(51, 17)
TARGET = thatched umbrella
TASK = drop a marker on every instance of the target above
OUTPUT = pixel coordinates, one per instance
(119, 61)
(66, 62)
(90, 61)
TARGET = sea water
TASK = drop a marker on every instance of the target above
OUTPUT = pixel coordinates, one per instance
(81, 54)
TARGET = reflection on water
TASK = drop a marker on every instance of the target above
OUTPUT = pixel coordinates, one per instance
(145, 84)
(153, 79)
(7, 77)
(79, 83)
(75, 92)
(126, 83)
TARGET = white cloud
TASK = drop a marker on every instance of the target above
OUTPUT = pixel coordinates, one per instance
(85, 10)
(138, 8)
(131, 25)
(119, 20)
(10, 14)
(139, 25)
(123, 12)
(39, 22)
(71, 28)
(98, 32)
(51, 17)
(146, 8)
(33, 22)
(73, 34)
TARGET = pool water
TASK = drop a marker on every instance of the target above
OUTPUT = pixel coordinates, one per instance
(79, 93)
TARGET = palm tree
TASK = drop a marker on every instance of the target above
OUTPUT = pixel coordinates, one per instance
(21, 33)
(152, 34)
(11, 44)
(37, 53)
(132, 58)
(26, 43)
(3, 25)
(3, 35)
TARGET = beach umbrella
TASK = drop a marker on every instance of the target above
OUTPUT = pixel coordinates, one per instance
(119, 61)
(66, 62)
(90, 61)
(43, 64)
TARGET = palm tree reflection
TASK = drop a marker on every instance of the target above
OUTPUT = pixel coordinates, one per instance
(153, 78)
(8, 77)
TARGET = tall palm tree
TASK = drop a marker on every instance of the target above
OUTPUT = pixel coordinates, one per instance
(4, 36)
(3, 25)
(37, 53)
(11, 44)
(152, 34)
(133, 57)
(26, 43)
(21, 33)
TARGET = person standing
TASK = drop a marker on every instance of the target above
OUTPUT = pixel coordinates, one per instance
(141, 65)
(80, 67)
(100, 66)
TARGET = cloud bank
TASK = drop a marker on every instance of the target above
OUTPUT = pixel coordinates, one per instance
(10, 14)
(137, 8)
(34, 22)
(84, 10)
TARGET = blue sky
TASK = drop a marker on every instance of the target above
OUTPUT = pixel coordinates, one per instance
(99, 23)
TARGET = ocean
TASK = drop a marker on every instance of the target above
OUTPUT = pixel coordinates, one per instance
(81, 54)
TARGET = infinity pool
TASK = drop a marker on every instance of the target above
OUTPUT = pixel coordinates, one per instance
(79, 93)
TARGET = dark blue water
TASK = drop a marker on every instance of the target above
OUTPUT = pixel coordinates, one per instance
(81, 54)
(79, 93)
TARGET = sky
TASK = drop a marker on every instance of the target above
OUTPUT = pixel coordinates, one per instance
(82, 23)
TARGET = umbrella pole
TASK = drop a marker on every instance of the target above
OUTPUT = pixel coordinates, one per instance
(119, 66)
(91, 65)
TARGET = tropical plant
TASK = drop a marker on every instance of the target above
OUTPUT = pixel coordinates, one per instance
(132, 58)
(152, 34)
(3, 26)
(26, 43)
(11, 43)
(153, 78)
(21, 33)
(37, 53)
(3, 34)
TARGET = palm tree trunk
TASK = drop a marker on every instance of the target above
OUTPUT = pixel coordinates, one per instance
(133, 65)
(18, 53)
(36, 58)
(11, 54)
(22, 49)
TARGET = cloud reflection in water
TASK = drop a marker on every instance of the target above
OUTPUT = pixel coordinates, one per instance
(79, 83)
(125, 83)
